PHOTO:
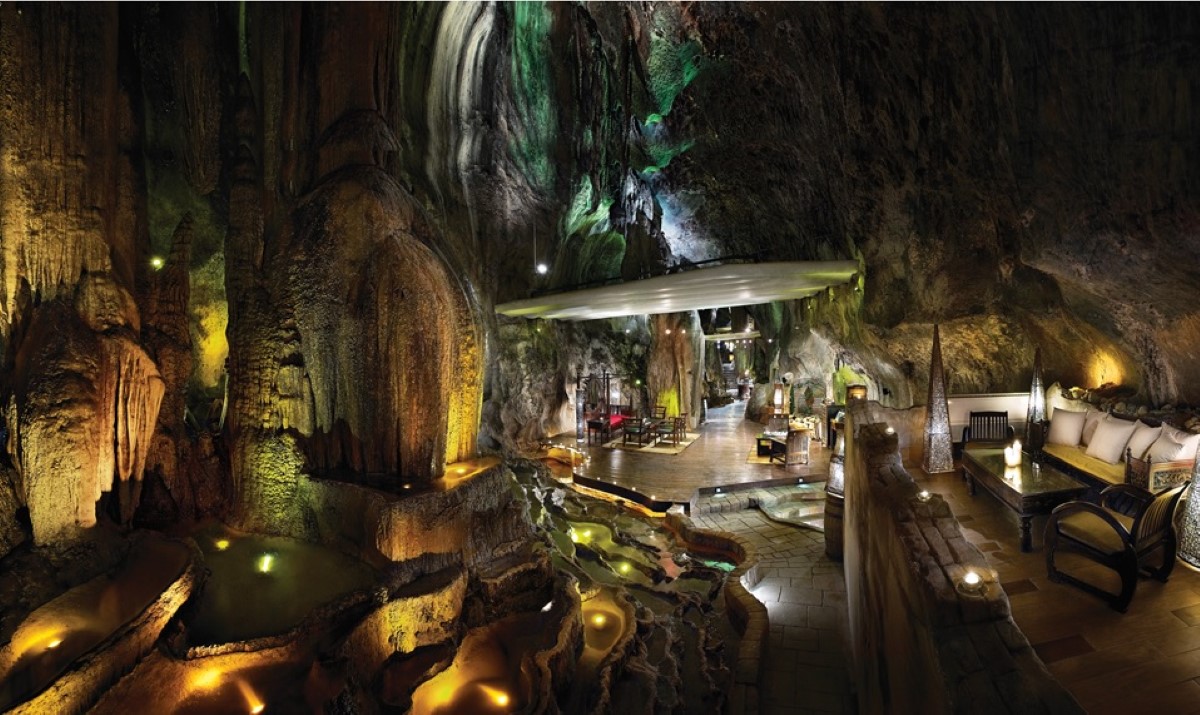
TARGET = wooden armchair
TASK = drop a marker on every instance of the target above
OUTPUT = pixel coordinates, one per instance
(1121, 533)
(659, 413)
(990, 427)
(636, 428)
(672, 429)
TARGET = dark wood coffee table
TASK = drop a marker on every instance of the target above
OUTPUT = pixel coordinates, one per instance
(1029, 490)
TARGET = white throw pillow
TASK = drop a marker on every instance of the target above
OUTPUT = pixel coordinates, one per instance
(1091, 421)
(1066, 427)
(1166, 449)
(1110, 439)
(1143, 436)
(1189, 440)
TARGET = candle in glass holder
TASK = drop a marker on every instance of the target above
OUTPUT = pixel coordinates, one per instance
(1012, 454)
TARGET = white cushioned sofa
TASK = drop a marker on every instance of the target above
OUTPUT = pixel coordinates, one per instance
(1112, 449)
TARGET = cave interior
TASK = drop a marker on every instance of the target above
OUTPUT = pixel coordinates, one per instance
(306, 309)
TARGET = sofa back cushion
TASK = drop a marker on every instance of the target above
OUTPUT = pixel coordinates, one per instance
(1066, 427)
(1143, 436)
(1108, 444)
(1091, 421)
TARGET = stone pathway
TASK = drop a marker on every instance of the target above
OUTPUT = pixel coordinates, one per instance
(805, 595)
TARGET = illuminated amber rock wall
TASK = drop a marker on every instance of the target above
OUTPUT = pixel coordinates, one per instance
(83, 394)
(82, 416)
(379, 322)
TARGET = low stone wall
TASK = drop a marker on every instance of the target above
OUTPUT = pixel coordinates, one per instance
(921, 642)
(466, 523)
(93, 674)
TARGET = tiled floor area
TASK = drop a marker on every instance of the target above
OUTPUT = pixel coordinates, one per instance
(805, 595)
(1143, 661)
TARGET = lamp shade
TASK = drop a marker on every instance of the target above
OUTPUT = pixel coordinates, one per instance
(856, 392)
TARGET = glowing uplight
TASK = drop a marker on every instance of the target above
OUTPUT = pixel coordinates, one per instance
(624, 567)
(923, 495)
(542, 269)
(253, 702)
(265, 562)
(221, 544)
(407, 485)
(54, 643)
(461, 470)
(971, 578)
(599, 620)
(546, 608)
(668, 331)
(499, 697)
(157, 262)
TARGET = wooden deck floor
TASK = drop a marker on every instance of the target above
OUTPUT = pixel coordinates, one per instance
(717, 458)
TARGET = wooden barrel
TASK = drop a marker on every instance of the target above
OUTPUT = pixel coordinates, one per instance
(835, 506)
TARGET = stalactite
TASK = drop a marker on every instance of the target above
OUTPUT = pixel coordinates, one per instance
(60, 174)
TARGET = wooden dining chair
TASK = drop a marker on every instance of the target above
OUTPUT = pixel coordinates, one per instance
(634, 427)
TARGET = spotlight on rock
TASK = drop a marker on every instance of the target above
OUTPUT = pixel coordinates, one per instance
(542, 269)
(157, 262)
